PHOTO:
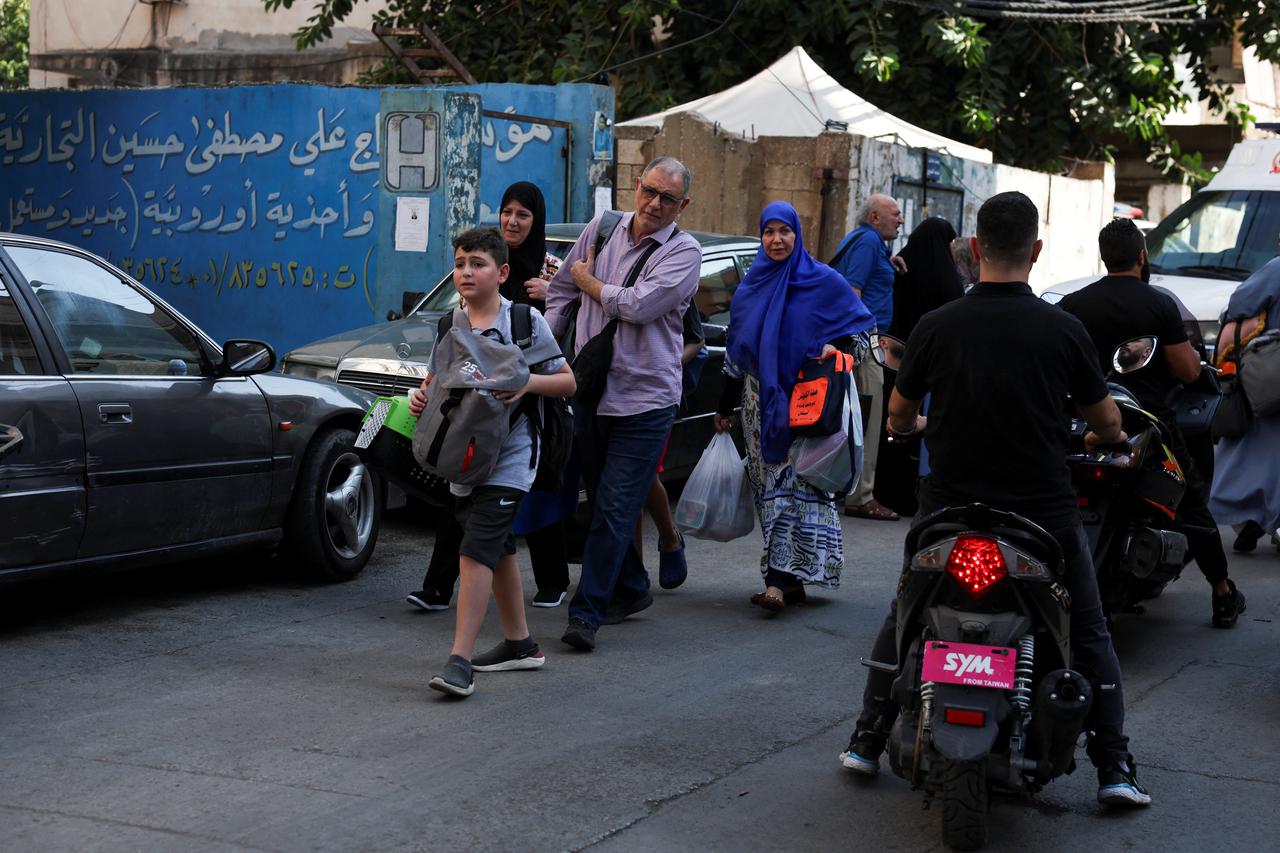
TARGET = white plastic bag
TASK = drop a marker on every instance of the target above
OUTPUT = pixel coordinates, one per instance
(832, 463)
(717, 502)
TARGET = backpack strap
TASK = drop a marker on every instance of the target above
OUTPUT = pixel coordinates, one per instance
(608, 224)
(444, 325)
(844, 250)
(521, 325)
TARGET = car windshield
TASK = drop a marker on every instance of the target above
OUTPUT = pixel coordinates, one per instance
(443, 297)
(1218, 234)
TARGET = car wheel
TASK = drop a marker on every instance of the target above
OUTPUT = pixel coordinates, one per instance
(336, 511)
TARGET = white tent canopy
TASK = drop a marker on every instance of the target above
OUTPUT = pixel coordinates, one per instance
(795, 97)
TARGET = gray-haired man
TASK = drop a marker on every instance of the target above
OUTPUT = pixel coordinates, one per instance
(620, 438)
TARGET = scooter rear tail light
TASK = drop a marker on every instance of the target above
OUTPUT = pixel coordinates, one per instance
(959, 717)
(976, 563)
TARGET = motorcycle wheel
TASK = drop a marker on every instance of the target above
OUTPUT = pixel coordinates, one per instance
(964, 805)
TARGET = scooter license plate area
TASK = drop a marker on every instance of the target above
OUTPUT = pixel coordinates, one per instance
(969, 664)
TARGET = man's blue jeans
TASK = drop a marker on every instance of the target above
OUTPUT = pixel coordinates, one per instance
(619, 456)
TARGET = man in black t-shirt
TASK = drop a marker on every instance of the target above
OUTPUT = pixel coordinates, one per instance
(1120, 307)
(1000, 364)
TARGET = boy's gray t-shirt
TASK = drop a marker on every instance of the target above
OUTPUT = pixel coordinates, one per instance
(513, 470)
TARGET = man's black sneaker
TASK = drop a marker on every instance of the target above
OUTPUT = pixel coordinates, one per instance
(548, 598)
(619, 610)
(1227, 608)
(580, 635)
(455, 679)
(863, 754)
(510, 654)
(1118, 786)
(428, 600)
(1247, 538)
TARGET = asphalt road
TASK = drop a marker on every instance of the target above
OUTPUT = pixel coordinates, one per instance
(228, 706)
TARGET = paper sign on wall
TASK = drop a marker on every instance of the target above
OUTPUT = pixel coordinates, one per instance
(603, 199)
(413, 216)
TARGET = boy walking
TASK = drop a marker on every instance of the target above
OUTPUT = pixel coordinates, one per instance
(485, 512)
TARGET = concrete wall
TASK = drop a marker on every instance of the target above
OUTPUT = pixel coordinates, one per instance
(126, 42)
(827, 176)
(1072, 209)
(733, 178)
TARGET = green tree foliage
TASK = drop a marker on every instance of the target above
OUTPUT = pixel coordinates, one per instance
(1034, 91)
(14, 25)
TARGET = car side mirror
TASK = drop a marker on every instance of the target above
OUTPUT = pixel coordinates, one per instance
(887, 351)
(1133, 355)
(247, 357)
(10, 439)
(394, 315)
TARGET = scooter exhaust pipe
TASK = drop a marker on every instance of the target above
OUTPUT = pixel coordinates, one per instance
(1062, 702)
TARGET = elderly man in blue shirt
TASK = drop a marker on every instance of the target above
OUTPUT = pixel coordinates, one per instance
(863, 258)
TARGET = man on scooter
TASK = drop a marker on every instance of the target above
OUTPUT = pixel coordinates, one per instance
(996, 434)
(1120, 307)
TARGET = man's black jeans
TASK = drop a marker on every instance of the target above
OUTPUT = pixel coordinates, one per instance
(1094, 657)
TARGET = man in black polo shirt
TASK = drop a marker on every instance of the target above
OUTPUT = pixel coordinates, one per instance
(1000, 364)
(1120, 307)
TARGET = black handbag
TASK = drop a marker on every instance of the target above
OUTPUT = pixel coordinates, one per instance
(1234, 415)
(1195, 406)
(591, 364)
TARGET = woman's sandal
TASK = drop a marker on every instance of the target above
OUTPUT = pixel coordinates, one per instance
(769, 601)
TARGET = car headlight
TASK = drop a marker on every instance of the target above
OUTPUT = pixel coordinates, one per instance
(309, 371)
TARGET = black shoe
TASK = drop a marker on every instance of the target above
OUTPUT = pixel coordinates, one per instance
(580, 635)
(1227, 608)
(519, 654)
(619, 610)
(428, 600)
(1118, 786)
(548, 598)
(1247, 538)
(455, 679)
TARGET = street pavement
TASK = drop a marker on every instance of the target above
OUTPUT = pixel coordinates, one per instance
(227, 705)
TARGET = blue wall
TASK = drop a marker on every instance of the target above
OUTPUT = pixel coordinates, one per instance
(253, 209)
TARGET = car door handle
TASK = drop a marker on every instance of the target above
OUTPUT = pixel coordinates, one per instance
(115, 413)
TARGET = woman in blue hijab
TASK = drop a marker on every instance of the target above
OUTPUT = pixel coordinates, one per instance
(787, 309)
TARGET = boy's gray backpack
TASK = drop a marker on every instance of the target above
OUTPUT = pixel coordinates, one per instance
(462, 428)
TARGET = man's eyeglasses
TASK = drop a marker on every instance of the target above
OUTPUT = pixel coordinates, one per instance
(666, 199)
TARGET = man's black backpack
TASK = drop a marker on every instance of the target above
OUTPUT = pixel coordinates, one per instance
(550, 424)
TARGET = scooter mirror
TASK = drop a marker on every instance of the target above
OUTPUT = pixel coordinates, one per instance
(1133, 355)
(887, 351)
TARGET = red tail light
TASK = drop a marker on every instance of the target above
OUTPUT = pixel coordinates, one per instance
(959, 717)
(976, 562)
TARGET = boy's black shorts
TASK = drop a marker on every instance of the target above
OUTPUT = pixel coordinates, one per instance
(486, 516)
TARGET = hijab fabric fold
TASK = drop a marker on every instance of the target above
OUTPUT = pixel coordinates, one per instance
(526, 260)
(931, 279)
(782, 313)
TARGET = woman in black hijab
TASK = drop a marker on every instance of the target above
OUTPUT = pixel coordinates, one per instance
(931, 279)
(522, 222)
(930, 282)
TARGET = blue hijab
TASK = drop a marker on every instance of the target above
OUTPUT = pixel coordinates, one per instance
(781, 314)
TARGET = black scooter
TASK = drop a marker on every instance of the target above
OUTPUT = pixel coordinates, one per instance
(985, 685)
(1128, 496)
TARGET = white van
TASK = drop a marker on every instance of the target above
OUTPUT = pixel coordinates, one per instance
(1204, 249)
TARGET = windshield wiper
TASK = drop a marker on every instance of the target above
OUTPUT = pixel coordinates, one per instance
(1209, 271)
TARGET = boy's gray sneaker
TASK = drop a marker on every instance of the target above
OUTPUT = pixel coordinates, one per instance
(455, 679)
(510, 654)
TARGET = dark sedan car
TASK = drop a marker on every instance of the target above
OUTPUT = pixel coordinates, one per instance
(132, 438)
(390, 358)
